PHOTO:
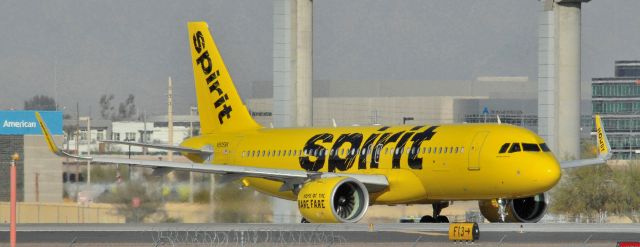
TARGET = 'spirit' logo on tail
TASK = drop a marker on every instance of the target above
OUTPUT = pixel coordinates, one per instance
(206, 65)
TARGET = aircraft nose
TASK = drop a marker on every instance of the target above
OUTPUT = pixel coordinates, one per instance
(551, 173)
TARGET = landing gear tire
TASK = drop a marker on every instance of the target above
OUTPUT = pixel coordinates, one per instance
(427, 219)
(436, 218)
(442, 219)
(304, 221)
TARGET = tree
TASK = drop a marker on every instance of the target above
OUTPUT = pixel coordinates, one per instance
(40, 103)
(598, 190)
(126, 110)
(106, 110)
(135, 201)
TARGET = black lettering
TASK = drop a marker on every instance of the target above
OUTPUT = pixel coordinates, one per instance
(395, 162)
(221, 101)
(414, 161)
(206, 68)
(311, 146)
(215, 87)
(345, 164)
(366, 147)
(385, 139)
(212, 77)
(198, 41)
(225, 112)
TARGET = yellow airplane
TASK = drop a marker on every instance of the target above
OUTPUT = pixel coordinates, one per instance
(336, 173)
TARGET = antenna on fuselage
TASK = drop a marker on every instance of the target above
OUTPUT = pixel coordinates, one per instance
(498, 117)
(333, 120)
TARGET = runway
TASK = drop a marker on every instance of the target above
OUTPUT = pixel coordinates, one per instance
(317, 234)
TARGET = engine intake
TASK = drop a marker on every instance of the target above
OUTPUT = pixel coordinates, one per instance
(524, 210)
(333, 200)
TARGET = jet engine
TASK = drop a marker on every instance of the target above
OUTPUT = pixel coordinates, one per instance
(525, 210)
(333, 200)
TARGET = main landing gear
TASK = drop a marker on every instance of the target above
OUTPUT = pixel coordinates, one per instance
(436, 218)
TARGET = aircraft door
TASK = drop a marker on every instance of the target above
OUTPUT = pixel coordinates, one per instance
(475, 148)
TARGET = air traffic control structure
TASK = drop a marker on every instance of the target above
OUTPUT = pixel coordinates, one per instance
(559, 76)
(292, 77)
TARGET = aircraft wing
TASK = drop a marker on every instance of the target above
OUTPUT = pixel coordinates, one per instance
(604, 150)
(163, 147)
(374, 183)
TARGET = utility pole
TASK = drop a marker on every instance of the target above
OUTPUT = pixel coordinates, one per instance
(191, 135)
(77, 147)
(170, 118)
(88, 119)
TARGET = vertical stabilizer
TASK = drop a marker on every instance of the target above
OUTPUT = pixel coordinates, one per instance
(219, 104)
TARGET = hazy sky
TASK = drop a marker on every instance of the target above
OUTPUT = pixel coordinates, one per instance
(101, 47)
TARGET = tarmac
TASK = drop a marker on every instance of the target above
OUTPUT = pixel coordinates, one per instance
(407, 234)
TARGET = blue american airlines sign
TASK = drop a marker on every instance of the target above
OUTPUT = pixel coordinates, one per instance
(25, 123)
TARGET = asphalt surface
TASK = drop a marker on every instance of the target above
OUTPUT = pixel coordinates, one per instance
(317, 234)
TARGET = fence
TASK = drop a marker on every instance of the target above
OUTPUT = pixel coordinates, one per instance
(60, 213)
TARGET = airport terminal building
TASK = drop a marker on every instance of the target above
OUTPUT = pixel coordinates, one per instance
(39, 172)
(617, 99)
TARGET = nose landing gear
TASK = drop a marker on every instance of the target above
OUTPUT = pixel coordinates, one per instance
(436, 217)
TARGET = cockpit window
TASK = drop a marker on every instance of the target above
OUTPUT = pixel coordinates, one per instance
(530, 147)
(515, 148)
(504, 148)
(544, 147)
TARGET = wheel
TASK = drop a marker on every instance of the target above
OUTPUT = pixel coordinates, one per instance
(304, 221)
(427, 219)
(442, 219)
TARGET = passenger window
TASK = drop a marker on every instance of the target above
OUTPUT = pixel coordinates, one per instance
(364, 151)
(544, 147)
(456, 149)
(353, 151)
(530, 147)
(504, 148)
(424, 150)
(289, 153)
(515, 148)
(461, 149)
(440, 150)
(445, 150)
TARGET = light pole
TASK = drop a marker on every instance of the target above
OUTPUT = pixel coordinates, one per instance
(191, 135)
(405, 119)
(88, 119)
(12, 172)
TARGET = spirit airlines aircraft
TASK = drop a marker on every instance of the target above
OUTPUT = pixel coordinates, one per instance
(336, 173)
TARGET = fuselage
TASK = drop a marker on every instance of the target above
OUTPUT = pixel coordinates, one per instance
(422, 163)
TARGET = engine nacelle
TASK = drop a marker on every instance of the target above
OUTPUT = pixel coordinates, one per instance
(525, 210)
(333, 200)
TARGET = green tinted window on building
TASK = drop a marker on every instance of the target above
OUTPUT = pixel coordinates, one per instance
(615, 90)
(610, 107)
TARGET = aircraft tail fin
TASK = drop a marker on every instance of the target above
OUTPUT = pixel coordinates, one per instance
(219, 104)
(604, 148)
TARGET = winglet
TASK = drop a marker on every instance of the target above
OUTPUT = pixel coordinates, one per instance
(47, 135)
(604, 148)
(50, 142)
